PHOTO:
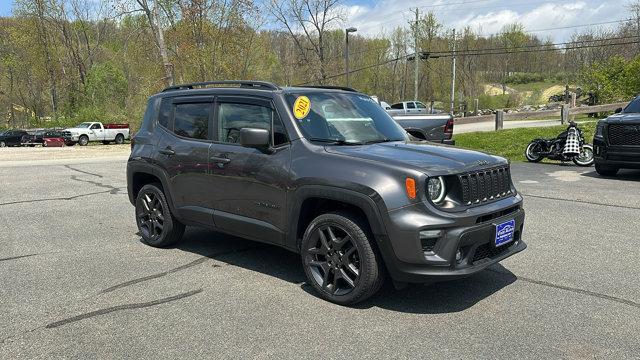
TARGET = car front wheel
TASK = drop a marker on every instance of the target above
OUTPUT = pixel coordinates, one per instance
(339, 259)
(156, 225)
(605, 170)
(3, 144)
(83, 140)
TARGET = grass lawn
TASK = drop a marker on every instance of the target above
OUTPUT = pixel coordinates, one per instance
(511, 143)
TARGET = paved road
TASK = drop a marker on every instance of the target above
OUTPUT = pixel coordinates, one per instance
(78, 283)
(490, 125)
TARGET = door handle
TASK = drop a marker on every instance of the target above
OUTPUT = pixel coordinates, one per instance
(220, 160)
(167, 151)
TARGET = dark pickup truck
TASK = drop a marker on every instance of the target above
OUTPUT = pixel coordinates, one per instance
(616, 143)
(325, 173)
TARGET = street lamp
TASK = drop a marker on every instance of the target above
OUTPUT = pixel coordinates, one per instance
(347, 31)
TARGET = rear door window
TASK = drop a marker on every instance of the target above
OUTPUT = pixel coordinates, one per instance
(411, 105)
(191, 120)
(164, 113)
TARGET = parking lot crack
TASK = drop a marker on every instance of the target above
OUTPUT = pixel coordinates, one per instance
(82, 171)
(120, 308)
(572, 289)
(174, 270)
(112, 191)
(17, 257)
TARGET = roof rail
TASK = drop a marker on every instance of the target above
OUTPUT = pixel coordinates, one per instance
(243, 83)
(329, 87)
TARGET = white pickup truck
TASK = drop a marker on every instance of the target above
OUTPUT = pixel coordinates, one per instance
(95, 131)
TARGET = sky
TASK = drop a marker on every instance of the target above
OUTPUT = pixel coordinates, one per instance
(5, 7)
(376, 17)
(373, 17)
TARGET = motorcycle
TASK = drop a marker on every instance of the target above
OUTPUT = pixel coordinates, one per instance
(568, 146)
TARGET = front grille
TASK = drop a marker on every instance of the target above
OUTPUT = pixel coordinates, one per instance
(485, 185)
(620, 134)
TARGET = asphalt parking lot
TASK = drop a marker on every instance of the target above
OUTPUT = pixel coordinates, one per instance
(78, 283)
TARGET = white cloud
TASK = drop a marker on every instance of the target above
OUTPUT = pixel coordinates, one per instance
(487, 17)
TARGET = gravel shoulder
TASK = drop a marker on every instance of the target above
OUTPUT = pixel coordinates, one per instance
(17, 156)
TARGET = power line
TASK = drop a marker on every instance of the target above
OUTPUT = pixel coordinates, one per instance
(517, 51)
(543, 45)
(458, 53)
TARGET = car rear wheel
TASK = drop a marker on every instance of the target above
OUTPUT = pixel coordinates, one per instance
(157, 226)
(606, 171)
(339, 259)
(83, 140)
(119, 139)
(44, 144)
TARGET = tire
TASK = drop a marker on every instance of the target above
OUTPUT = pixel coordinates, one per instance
(119, 139)
(156, 225)
(606, 171)
(70, 143)
(585, 159)
(83, 140)
(3, 144)
(531, 155)
(44, 144)
(106, 142)
(339, 259)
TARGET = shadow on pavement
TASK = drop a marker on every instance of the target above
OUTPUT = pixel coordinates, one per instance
(623, 174)
(271, 260)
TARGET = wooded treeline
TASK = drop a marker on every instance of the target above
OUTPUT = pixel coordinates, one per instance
(65, 61)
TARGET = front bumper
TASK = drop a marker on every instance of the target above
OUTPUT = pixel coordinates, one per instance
(472, 235)
(627, 157)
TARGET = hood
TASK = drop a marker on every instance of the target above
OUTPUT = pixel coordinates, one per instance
(432, 159)
(624, 118)
(75, 129)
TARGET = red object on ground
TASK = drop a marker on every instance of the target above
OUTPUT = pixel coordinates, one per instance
(53, 142)
(116, 126)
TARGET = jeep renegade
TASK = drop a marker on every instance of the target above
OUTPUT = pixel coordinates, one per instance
(326, 173)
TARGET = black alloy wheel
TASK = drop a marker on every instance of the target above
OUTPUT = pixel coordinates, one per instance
(340, 259)
(157, 225)
(334, 260)
(150, 216)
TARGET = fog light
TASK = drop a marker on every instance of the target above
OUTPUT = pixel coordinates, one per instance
(428, 239)
(458, 256)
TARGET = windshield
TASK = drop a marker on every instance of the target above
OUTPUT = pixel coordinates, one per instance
(344, 118)
(84, 125)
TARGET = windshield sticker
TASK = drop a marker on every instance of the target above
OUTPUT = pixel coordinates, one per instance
(301, 107)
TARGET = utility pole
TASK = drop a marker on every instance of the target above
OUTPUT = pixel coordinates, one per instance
(453, 73)
(346, 51)
(416, 57)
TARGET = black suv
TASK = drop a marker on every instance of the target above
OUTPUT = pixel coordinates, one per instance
(616, 143)
(326, 173)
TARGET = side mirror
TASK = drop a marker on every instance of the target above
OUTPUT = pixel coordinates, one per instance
(618, 110)
(255, 138)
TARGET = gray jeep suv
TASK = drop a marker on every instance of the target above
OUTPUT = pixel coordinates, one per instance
(326, 173)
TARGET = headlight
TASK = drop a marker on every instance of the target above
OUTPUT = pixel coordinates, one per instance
(436, 189)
